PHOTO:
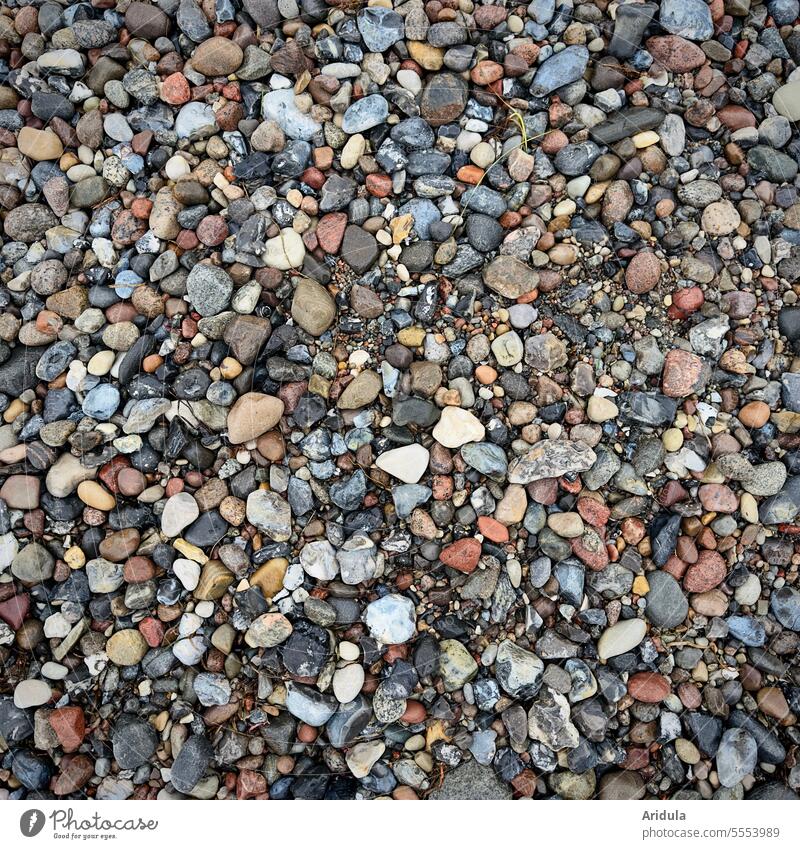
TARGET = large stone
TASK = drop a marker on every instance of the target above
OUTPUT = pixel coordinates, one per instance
(253, 414)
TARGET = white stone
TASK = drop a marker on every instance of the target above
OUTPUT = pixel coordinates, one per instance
(347, 682)
(285, 251)
(508, 349)
(179, 512)
(8, 550)
(392, 619)
(32, 693)
(187, 571)
(348, 650)
(363, 756)
(54, 671)
(318, 559)
(620, 638)
(56, 626)
(407, 463)
(457, 427)
(177, 167)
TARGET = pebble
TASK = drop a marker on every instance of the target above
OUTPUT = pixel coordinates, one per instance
(419, 380)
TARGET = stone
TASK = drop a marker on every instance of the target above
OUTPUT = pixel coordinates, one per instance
(456, 427)
(253, 413)
(407, 463)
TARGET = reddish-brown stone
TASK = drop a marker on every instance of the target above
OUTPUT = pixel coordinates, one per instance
(643, 272)
(69, 726)
(649, 687)
(683, 374)
(707, 573)
(462, 555)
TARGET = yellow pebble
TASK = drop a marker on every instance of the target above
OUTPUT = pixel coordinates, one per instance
(190, 551)
(93, 495)
(13, 410)
(230, 368)
(646, 139)
(74, 557)
(640, 585)
(672, 439)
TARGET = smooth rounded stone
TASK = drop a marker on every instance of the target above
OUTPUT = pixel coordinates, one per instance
(33, 564)
(194, 121)
(391, 620)
(786, 100)
(285, 251)
(508, 349)
(347, 682)
(785, 607)
(209, 289)
(736, 756)
(687, 18)
(309, 705)
(363, 757)
(621, 638)
(133, 742)
(456, 665)
(667, 606)
(191, 764)
(32, 693)
(217, 57)
(349, 722)
(312, 307)
(443, 100)
(187, 572)
(104, 576)
(39, 145)
(180, 511)
(253, 414)
(407, 463)
(457, 427)
(268, 630)
(126, 647)
(361, 391)
(379, 27)
(365, 114)
(560, 69)
(28, 222)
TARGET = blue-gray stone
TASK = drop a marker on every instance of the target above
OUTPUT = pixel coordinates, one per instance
(560, 69)
(101, 402)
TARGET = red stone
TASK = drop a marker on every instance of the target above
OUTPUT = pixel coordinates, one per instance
(462, 555)
(675, 53)
(153, 631)
(492, 529)
(718, 498)
(683, 373)
(707, 573)
(330, 231)
(643, 272)
(591, 550)
(175, 90)
(14, 610)
(649, 687)
(594, 512)
(75, 771)
(69, 726)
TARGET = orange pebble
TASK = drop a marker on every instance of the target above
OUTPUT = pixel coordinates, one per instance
(470, 174)
(485, 375)
(151, 363)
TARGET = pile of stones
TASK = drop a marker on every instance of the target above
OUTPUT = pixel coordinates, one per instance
(399, 399)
